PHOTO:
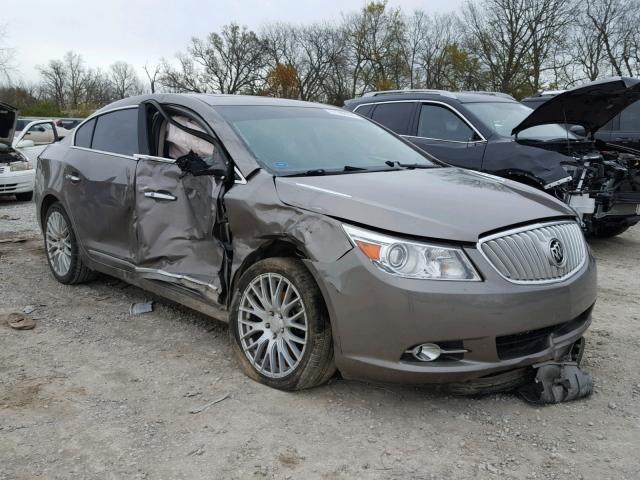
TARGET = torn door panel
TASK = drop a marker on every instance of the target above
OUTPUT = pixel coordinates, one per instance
(175, 233)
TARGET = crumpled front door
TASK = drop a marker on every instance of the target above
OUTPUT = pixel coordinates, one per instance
(175, 217)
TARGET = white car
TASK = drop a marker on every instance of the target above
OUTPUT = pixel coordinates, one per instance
(19, 153)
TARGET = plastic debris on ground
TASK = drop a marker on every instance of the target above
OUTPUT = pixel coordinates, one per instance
(140, 308)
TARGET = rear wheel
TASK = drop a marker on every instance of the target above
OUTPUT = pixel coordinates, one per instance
(61, 247)
(279, 326)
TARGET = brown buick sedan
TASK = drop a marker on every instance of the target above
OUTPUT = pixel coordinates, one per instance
(326, 241)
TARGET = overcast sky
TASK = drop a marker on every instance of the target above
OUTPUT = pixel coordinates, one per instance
(138, 31)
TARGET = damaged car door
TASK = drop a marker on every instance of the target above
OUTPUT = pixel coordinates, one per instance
(176, 205)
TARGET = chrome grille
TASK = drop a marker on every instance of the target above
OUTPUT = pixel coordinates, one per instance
(5, 169)
(526, 255)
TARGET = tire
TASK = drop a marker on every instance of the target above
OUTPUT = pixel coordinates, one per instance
(293, 365)
(607, 230)
(24, 196)
(60, 237)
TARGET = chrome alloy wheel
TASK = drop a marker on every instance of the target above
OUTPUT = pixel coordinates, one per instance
(58, 241)
(272, 325)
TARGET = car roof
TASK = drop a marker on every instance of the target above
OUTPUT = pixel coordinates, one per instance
(216, 100)
(439, 95)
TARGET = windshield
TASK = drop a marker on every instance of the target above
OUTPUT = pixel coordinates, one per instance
(502, 117)
(289, 140)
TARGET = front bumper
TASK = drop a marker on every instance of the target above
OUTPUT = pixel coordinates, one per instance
(377, 317)
(17, 182)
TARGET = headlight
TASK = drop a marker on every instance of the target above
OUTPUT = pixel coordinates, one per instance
(412, 259)
(19, 166)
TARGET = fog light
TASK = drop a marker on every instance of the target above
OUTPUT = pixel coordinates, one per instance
(427, 352)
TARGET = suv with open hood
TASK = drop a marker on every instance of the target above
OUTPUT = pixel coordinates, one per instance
(552, 148)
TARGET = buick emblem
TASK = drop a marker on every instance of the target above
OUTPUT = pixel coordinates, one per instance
(555, 252)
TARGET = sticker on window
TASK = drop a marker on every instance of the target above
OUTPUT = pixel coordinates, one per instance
(281, 164)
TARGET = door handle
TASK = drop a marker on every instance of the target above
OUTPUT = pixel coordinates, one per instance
(160, 196)
(72, 178)
(623, 139)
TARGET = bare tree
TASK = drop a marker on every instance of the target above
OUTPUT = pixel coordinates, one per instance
(77, 78)
(153, 74)
(99, 89)
(229, 62)
(6, 57)
(376, 38)
(124, 80)
(500, 36)
(54, 82)
(548, 23)
(308, 53)
(615, 23)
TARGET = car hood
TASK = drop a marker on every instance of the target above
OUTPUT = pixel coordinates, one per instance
(8, 119)
(439, 203)
(591, 105)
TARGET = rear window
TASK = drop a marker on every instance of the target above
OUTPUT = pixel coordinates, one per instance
(394, 116)
(117, 132)
(84, 133)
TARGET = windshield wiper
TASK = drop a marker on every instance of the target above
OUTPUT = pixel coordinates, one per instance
(351, 168)
(308, 173)
(410, 166)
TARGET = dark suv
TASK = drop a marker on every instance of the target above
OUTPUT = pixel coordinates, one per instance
(552, 148)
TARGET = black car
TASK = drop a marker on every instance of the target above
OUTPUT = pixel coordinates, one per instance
(552, 148)
(623, 129)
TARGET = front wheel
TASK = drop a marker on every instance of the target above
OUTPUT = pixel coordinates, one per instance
(279, 326)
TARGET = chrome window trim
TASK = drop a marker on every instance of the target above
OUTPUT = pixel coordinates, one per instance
(526, 228)
(442, 140)
(435, 102)
(102, 152)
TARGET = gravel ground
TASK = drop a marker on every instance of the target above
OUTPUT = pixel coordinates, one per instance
(93, 392)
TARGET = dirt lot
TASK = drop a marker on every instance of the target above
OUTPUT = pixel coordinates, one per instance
(93, 392)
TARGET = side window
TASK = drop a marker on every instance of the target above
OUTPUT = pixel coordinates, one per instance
(630, 118)
(84, 134)
(365, 110)
(395, 116)
(117, 132)
(440, 123)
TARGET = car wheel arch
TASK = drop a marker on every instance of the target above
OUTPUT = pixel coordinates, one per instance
(45, 204)
(281, 247)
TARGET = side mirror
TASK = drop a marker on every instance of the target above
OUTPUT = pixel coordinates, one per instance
(25, 144)
(578, 130)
